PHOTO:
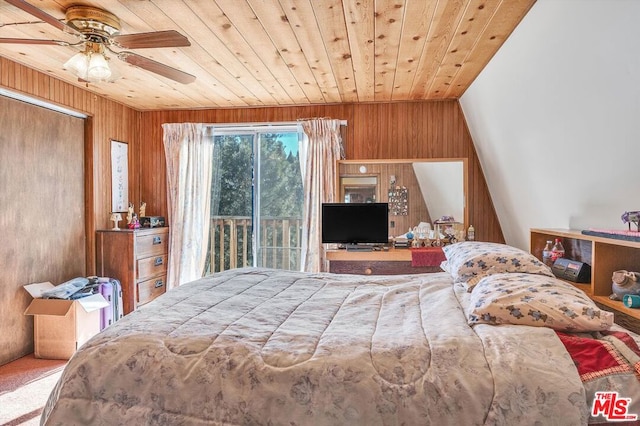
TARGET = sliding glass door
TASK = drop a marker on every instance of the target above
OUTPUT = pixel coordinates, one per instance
(278, 197)
(230, 242)
(256, 199)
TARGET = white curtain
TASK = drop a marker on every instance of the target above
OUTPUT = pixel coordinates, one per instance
(319, 152)
(189, 154)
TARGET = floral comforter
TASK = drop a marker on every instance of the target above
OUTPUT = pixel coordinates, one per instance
(259, 346)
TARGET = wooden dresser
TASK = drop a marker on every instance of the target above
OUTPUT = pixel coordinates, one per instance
(389, 262)
(138, 259)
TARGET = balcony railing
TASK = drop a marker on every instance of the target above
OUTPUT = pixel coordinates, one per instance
(231, 245)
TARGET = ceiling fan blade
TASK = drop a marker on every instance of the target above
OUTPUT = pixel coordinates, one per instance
(29, 8)
(156, 67)
(168, 38)
(33, 41)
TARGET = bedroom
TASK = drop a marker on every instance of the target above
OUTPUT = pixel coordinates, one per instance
(560, 95)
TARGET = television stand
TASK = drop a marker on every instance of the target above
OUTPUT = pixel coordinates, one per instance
(358, 247)
(386, 262)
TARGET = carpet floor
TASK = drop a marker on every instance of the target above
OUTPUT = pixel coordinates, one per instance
(25, 385)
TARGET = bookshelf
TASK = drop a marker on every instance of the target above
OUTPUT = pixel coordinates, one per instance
(604, 255)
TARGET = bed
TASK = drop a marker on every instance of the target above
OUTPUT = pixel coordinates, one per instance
(257, 346)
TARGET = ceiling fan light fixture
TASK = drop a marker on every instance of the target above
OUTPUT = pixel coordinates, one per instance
(78, 64)
(89, 65)
(98, 68)
(99, 31)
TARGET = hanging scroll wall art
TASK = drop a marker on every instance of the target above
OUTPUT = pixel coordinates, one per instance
(119, 176)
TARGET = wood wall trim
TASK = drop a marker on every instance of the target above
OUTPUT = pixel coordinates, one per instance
(89, 208)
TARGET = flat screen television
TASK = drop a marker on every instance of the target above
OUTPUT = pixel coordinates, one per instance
(353, 224)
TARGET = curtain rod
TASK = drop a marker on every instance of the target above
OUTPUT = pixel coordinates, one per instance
(263, 124)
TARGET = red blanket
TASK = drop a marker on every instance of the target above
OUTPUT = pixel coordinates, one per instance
(427, 256)
(598, 358)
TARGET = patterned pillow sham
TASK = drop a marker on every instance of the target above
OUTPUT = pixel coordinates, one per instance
(470, 261)
(535, 300)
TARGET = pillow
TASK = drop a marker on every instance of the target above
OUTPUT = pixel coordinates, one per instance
(470, 261)
(536, 300)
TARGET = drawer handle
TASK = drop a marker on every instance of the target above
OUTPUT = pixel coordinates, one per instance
(157, 240)
(368, 271)
(158, 261)
(158, 284)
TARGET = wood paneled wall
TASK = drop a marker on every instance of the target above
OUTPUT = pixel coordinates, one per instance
(106, 120)
(374, 131)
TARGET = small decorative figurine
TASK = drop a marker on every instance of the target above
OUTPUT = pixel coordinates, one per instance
(130, 214)
(415, 243)
(623, 283)
(135, 223)
(631, 217)
(410, 234)
(422, 232)
(143, 209)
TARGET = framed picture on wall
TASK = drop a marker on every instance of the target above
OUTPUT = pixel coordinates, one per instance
(119, 176)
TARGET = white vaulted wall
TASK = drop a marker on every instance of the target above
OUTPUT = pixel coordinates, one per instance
(555, 118)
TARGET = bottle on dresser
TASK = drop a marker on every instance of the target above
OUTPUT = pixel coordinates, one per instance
(546, 253)
(557, 250)
(471, 233)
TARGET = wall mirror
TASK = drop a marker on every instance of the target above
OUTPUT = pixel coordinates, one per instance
(359, 189)
(418, 190)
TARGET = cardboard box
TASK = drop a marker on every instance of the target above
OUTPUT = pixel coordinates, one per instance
(60, 327)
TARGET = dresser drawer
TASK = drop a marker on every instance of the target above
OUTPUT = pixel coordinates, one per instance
(150, 289)
(366, 267)
(152, 266)
(150, 245)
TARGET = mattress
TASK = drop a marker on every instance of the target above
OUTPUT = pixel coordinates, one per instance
(258, 346)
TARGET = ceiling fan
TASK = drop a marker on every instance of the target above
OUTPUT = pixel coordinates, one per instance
(99, 33)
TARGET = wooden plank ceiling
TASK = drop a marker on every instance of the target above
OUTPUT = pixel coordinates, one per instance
(284, 52)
